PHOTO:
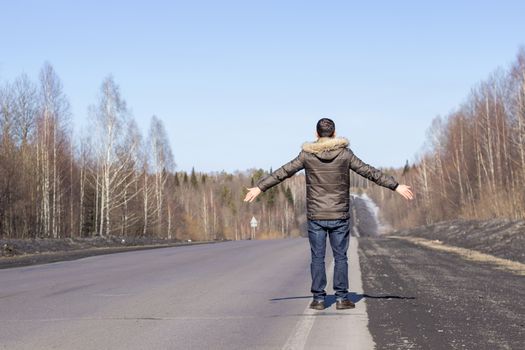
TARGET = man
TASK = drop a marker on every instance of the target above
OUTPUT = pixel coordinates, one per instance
(327, 162)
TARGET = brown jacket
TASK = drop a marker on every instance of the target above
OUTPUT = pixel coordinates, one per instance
(327, 162)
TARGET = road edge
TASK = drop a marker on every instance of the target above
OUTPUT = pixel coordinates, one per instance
(52, 257)
(359, 333)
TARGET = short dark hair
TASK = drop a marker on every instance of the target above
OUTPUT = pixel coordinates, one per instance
(325, 127)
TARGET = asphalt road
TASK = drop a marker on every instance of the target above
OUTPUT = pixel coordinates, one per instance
(232, 295)
(254, 295)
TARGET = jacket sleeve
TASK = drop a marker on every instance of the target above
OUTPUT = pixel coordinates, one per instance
(282, 173)
(369, 172)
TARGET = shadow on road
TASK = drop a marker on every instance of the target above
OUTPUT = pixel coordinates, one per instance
(385, 296)
(290, 298)
(329, 300)
(354, 297)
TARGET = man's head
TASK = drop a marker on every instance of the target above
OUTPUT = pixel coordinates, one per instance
(325, 127)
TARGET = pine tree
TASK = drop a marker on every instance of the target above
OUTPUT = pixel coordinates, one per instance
(289, 196)
(193, 178)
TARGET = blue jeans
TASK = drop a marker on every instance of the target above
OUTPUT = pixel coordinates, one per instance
(339, 234)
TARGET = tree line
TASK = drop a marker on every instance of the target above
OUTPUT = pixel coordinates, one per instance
(113, 181)
(473, 163)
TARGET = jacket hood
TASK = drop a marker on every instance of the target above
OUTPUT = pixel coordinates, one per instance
(326, 148)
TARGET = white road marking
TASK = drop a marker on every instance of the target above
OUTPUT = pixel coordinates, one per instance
(299, 335)
(355, 333)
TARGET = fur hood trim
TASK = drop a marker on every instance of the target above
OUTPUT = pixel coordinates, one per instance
(325, 144)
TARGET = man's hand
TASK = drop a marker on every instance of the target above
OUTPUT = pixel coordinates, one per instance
(405, 191)
(252, 193)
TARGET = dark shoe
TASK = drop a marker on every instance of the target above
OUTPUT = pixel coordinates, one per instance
(317, 305)
(344, 304)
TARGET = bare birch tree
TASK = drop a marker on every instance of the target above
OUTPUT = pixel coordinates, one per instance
(115, 144)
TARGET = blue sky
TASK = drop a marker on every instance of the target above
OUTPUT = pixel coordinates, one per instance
(241, 84)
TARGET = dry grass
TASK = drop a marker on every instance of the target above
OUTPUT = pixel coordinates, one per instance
(469, 254)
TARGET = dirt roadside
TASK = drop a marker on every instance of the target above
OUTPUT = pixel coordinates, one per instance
(422, 298)
(16, 253)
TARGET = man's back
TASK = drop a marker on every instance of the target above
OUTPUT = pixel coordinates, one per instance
(326, 163)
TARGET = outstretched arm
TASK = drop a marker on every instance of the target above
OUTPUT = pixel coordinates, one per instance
(275, 177)
(375, 175)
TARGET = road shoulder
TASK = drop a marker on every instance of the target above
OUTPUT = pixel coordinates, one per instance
(51, 257)
(422, 298)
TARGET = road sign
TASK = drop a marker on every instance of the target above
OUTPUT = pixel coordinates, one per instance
(253, 222)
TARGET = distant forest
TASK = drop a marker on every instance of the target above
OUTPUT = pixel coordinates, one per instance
(114, 181)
